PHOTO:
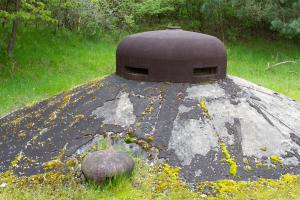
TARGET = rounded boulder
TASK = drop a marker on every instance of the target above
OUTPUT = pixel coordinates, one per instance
(101, 165)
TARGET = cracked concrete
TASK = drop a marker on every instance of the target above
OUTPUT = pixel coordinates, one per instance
(253, 123)
(118, 112)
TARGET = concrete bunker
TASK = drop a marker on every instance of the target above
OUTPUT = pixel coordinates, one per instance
(171, 55)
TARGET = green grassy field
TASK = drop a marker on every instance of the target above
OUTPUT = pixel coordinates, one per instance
(249, 60)
(46, 64)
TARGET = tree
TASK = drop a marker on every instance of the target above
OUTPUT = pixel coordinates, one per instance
(12, 39)
(20, 11)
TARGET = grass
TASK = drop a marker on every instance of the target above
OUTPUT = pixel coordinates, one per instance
(249, 60)
(46, 64)
(158, 182)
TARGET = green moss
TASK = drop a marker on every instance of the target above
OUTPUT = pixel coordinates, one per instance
(66, 100)
(246, 162)
(148, 109)
(145, 145)
(149, 139)
(247, 169)
(130, 140)
(158, 182)
(18, 158)
(276, 159)
(229, 160)
(259, 164)
(203, 107)
(288, 186)
(78, 117)
(130, 132)
(21, 135)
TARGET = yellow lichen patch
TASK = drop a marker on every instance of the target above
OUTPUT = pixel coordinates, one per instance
(17, 121)
(65, 101)
(161, 94)
(71, 162)
(53, 116)
(30, 125)
(53, 178)
(57, 162)
(93, 85)
(247, 168)
(41, 143)
(166, 178)
(62, 153)
(276, 159)
(53, 164)
(7, 177)
(203, 107)
(30, 161)
(259, 164)
(246, 162)
(228, 189)
(229, 160)
(150, 138)
(143, 144)
(96, 82)
(21, 135)
(130, 132)
(148, 109)
(14, 163)
(34, 138)
(78, 117)
(157, 182)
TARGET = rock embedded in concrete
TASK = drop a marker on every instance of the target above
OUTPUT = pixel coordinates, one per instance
(102, 165)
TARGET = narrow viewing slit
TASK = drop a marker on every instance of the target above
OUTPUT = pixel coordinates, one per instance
(205, 71)
(137, 70)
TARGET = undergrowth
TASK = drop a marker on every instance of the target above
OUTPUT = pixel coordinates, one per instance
(45, 64)
(160, 181)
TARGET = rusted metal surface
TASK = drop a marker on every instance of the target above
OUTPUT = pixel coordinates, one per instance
(171, 55)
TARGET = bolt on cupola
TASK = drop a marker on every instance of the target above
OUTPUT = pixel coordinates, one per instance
(171, 55)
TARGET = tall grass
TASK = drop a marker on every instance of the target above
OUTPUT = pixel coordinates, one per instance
(46, 63)
(250, 59)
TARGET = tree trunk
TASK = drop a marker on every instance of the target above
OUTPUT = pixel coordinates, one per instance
(6, 8)
(13, 36)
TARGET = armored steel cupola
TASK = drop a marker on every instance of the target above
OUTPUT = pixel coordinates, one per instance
(171, 55)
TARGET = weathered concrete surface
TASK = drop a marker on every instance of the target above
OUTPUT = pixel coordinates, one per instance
(208, 130)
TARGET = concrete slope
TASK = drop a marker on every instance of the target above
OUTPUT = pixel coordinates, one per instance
(230, 129)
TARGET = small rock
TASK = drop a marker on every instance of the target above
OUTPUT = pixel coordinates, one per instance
(101, 165)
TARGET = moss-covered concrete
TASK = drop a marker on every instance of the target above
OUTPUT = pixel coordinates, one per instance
(231, 129)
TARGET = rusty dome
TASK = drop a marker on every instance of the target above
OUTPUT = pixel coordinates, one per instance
(172, 55)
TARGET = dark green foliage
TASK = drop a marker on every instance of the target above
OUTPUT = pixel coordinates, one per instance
(285, 17)
(224, 18)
